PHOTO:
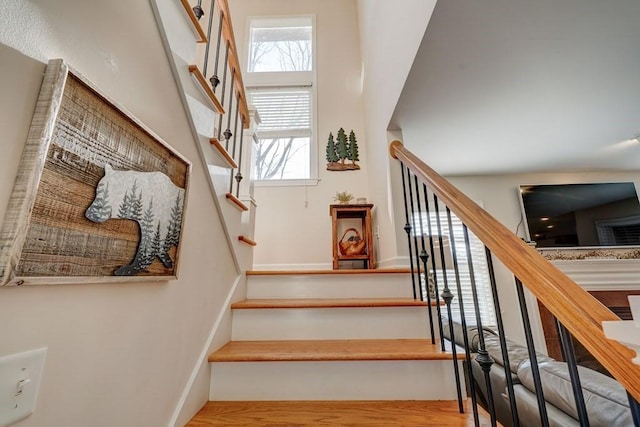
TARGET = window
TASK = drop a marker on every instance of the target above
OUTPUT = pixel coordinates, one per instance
(285, 133)
(280, 45)
(480, 269)
(280, 82)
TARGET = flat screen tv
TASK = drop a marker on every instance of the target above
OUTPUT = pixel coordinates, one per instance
(581, 215)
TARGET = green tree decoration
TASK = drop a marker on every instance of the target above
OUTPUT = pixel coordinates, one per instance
(342, 149)
(332, 155)
(353, 148)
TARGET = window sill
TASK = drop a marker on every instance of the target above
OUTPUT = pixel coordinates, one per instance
(286, 182)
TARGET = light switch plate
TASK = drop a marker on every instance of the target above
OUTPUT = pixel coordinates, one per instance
(20, 376)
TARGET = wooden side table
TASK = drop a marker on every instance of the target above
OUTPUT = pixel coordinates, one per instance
(362, 212)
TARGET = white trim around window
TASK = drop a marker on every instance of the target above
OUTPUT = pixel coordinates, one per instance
(287, 80)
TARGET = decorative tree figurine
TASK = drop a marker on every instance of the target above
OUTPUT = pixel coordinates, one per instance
(332, 155)
(353, 149)
(342, 147)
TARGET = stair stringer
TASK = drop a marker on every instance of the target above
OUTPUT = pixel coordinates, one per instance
(181, 48)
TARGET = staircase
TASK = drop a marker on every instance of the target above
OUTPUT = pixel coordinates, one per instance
(354, 335)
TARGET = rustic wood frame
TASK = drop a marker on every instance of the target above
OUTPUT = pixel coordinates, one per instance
(34, 205)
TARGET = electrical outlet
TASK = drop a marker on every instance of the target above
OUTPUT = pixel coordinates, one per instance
(20, 376)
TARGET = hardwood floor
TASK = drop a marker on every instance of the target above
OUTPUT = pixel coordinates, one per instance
(336, 413)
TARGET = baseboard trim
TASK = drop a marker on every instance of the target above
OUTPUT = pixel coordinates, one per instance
(204, 354)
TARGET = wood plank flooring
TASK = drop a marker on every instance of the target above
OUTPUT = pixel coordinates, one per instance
(337, 413)
(330, 350)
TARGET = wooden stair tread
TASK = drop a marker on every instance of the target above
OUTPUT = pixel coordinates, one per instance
(223, 152)
(236, 202)
(338, 413)
(319, 272)
(194, 21)
(246, 240)
(328, 303)
(206, 88)
(330, 350)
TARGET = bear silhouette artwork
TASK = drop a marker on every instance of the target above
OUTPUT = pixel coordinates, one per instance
(149, 198)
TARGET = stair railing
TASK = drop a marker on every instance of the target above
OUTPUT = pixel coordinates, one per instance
(226, 94)
(577, 313)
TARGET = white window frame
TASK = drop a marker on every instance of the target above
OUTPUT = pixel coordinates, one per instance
(289, 80)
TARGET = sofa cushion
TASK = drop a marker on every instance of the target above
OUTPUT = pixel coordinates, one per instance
(606, 400)
(517, 353)
(498, 380)
(529, 415)
(458, 334)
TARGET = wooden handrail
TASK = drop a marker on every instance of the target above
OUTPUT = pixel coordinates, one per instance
(578, 311)
(234, 62)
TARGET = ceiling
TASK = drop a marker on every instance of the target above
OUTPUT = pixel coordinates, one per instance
(506, 86)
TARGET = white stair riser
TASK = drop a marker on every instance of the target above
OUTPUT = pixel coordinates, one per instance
(330, 323)
(349, 380)
(330, 286)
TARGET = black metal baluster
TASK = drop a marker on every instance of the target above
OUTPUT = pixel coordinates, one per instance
(447, 296)
(635, 410)
(235, 131)
(239, 174)
(224, 89)
(433, 266)
(197, 9)
(463, 319)
(542, 408)
(570, 358)
(227, 132)
(206, 49)
(424, 257)
(215, 81)
(482, 357)
(407, 227)
(415, 237)
(503, 341)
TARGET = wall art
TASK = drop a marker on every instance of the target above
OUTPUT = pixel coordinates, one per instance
(98, 197)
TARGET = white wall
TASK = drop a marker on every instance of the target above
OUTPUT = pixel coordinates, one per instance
(119, 354)
(293, 226)
(499, 196)
(390, 34)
